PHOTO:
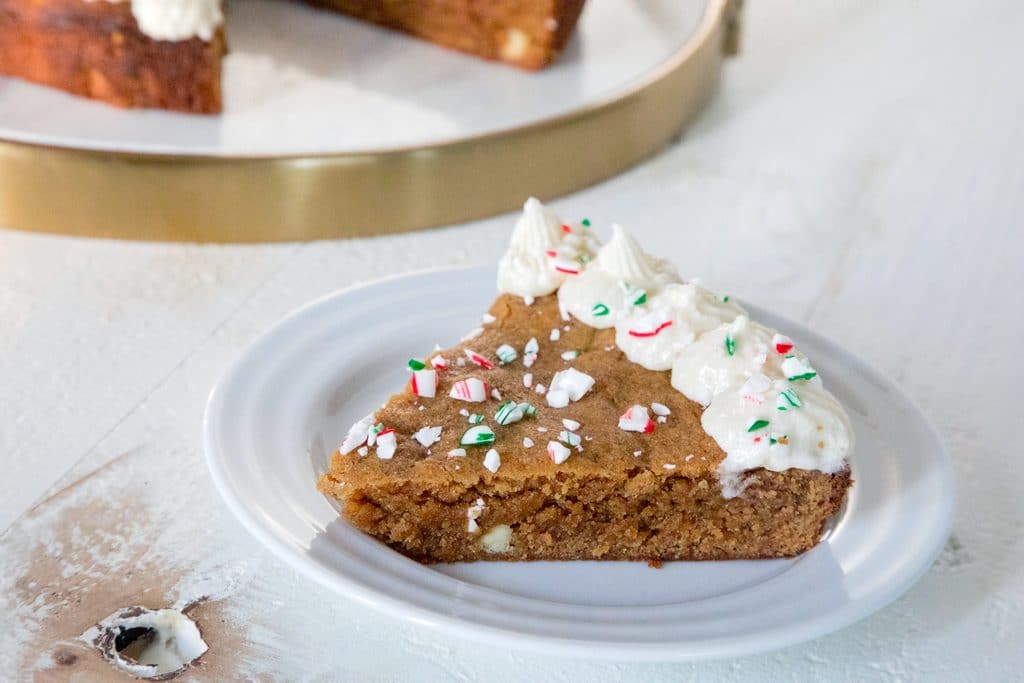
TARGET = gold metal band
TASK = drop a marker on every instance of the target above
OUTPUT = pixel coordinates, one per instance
(213, 199)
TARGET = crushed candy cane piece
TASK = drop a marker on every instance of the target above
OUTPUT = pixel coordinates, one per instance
(463, 412)
(540, 388)
(424, 383)
(386, 444)
(795, 369)
(473, 334)
(371, 438)
(660, 409)
(506, 354)
(471, 389)
(528, 300)
(363, 450)
(528, 409)
(569, 438)
(574, 382)
(599, 310)
(439, 362)
(427, 436)
(637, 454)
(416, 364)
(475, 418)
(457, 453)
(570, 355)
(782, 344)
(787, 399)
(542, 429)
(650, 325)
(487, 319)
(528, 380)
(555, 334)
(557, 452)
(755, 387)
(669, 466)
(508, 412)
(571, 425)
(495, 394)
(636, 420)
(479, 360)
(757, 424)
(357, 434)
(492, 460)
(527, 442)
(730, 345)
(480, 435)
(558, 398)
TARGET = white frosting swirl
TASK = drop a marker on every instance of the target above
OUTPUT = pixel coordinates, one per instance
(817, 435)
(706, 367)
(539, 257)
(610, 284)
(653, 335)
(178, 20)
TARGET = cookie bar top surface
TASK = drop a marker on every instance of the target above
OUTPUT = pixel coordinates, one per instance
(677, 443)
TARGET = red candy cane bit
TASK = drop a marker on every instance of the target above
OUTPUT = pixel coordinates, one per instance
(568, 271)
(386, 431)
(551, 252)
(649, 427)
(659, 328)
(479, 360)
(566, 229)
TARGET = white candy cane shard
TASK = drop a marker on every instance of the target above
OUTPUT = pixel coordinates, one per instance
(527, 442)
(755, 387)
(487, 319)
(555, 334)
(479, 360)
(573, 382)
(492, 460)
(424, 383)
(473, 334)
(386, 444)
(457, 453)
(636, 420)
(471, 389)
(571, 425)
(428, 436)
(357, 434)
(557, 398)
(439, 362)
(528, 380)
(557, 452)
(570, 355)
(660, 409)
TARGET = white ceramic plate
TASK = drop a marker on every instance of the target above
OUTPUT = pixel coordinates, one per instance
(276, 416)
(303, 81)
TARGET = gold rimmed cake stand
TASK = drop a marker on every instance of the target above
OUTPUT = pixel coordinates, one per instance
(82, 192)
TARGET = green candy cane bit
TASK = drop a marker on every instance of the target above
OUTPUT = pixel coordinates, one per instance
(507, 413)
(730, 345)
(586, 222)
(528, 409)
(805, 376)
(787, 399)
(757, 424)
(416, 364)
(481, 435)
(599, 309)
(641, 297)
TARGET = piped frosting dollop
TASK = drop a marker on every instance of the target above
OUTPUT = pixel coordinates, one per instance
(541, 254)
(621, 277)
(653, 335)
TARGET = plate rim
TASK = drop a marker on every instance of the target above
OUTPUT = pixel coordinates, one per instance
(612, 651)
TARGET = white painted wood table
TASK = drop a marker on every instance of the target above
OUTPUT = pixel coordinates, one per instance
(862, 170)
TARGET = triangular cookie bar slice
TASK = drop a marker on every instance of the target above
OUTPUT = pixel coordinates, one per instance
(538, 439)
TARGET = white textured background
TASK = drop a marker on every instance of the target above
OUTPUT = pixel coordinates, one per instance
(862, 170)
